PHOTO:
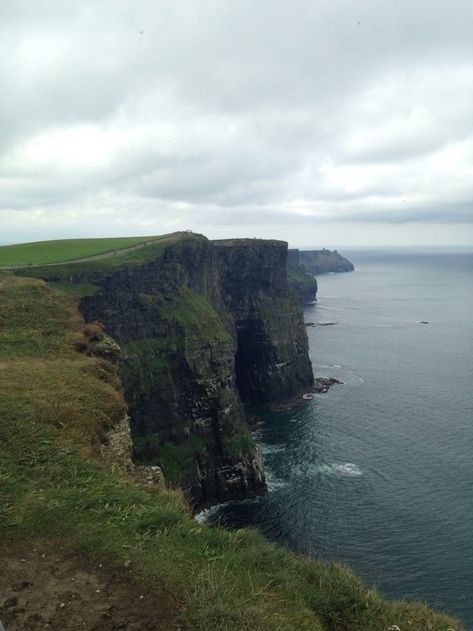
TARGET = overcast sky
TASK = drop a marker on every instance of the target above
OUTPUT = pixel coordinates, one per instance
(322, 122)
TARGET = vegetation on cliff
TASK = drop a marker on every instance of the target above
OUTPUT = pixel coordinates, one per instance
(57, 492)
(324, 261)
(300, 279)
(303, 283)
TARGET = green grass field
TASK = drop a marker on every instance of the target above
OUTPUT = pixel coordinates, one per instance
(43, 252)
(55, 407)
(131, 255)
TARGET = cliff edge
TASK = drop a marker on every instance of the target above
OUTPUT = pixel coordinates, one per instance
(203, 327)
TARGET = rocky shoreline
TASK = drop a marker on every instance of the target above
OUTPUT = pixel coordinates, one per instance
(321, 386)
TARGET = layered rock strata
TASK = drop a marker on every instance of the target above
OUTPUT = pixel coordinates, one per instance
(203, 327)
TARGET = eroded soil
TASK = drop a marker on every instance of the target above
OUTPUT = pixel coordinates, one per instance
(40, 589)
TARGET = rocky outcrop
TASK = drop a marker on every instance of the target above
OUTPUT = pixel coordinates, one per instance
(201, 328)
(322, 261)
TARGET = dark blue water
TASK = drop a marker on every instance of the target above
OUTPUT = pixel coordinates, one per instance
(378, 472)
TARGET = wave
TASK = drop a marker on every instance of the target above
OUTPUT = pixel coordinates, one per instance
(205, 514)
(274, 483)
(348, 468)
(343, 468)
(268, 448)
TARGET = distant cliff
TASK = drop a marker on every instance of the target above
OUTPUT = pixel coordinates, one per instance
(322, 261)
(203, 326)
(300, 279)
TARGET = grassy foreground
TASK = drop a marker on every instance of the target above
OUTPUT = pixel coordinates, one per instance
(55, 408)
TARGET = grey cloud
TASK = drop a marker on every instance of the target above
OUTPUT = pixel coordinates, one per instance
(273, 112)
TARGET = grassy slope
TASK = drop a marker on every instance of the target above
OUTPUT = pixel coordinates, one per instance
(122, 258)
(41, 252)
(109, 252)
(54, 408)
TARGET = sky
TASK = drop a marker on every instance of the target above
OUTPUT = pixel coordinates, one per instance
(321, 122)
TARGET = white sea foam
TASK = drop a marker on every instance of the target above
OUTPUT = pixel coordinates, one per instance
(348, 468)
(273, 483)
(268, 448)
(204, 515)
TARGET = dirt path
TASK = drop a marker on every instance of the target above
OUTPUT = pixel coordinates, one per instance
(56, 591)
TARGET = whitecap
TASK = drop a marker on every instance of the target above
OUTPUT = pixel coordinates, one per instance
(308, 396)
(347, 468)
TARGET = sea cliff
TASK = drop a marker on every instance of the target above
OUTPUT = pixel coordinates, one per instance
(87, 542)
(203, 327)
(300, 279)
(322, 261)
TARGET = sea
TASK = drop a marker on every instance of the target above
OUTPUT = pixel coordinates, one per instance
(378, 472)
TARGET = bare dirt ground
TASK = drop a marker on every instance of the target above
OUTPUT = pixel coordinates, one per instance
(40, 589)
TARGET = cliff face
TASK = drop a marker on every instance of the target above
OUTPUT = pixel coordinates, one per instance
(202, 327)
(272, 361)
(323, 261)
(300, 280)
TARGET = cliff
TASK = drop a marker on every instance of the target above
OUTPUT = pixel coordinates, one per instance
(202, 326)
(300, 280)
(85, 544)
(272, 361)
(323, 261)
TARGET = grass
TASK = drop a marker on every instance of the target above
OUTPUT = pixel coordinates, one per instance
(300, 276)
(64, 250)
(40, 252)
(196, 316)
(57, 264)
(176, 459)
(55, 408)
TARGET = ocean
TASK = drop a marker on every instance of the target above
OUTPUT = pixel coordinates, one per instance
(378, 472)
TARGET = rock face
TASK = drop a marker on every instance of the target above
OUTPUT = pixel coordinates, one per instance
(300, 280)
(322, 261)
(272, 361)
(202, 327)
